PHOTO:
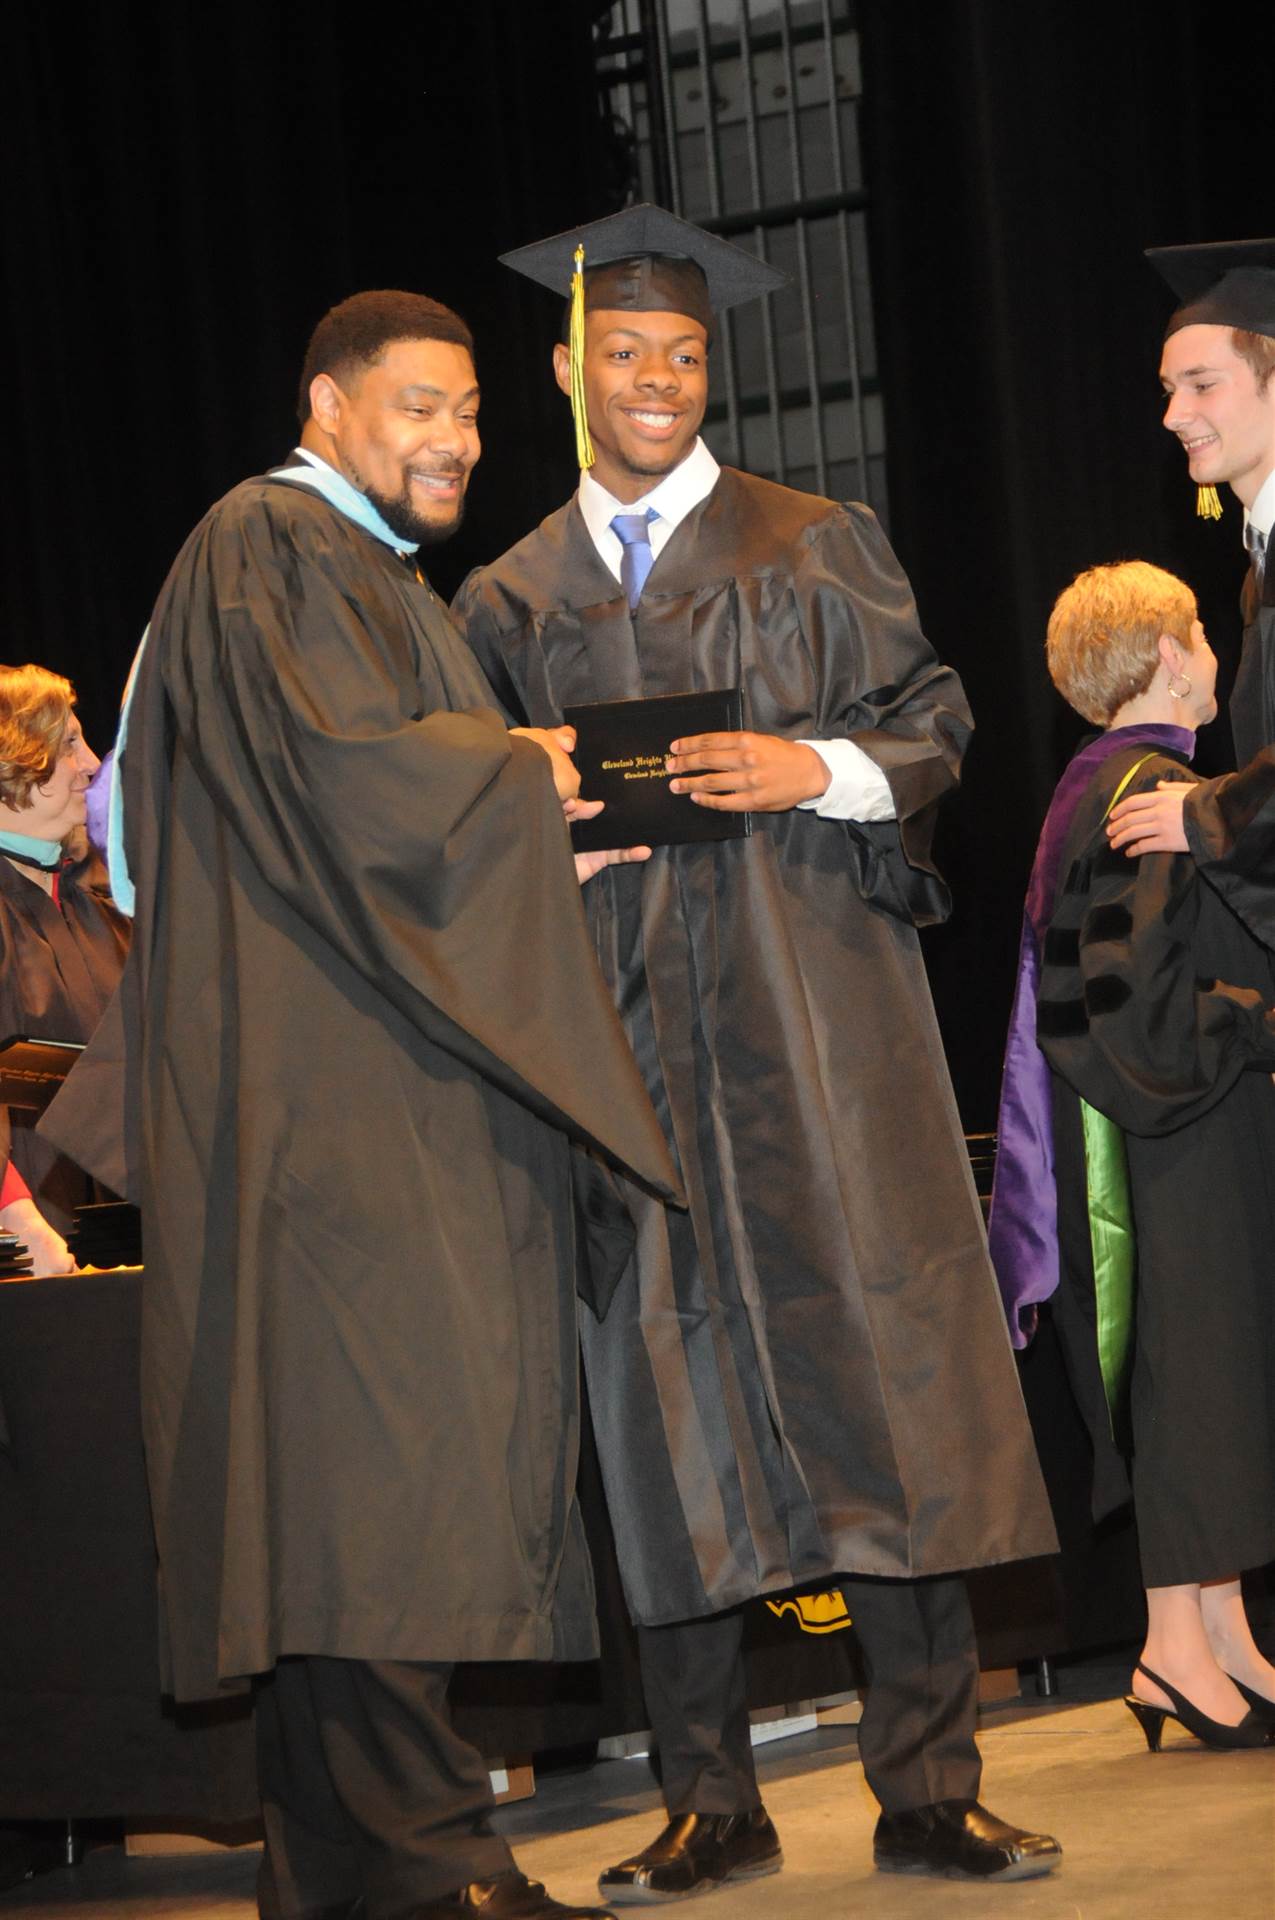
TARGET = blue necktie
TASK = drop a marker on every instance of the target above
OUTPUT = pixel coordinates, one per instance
(633, 531)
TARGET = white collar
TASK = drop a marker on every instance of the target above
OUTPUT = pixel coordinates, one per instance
(691, 481)
(1262, 512)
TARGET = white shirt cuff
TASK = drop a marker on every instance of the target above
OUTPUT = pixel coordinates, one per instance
(857, 789)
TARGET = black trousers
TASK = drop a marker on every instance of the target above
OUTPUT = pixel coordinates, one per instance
(916, 1736)
(367, 1791)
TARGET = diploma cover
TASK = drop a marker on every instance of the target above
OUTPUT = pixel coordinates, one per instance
(621, 747)
(32, 1071)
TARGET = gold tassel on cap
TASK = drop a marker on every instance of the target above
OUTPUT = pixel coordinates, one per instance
(1207, 504)
(579, 413)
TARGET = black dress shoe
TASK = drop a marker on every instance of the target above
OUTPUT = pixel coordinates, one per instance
(511, 1897)
(695, 1852)
(1254, 1730)
(959, 1840)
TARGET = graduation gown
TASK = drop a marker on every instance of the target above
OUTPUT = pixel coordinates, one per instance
(361, 1018)
(1230, 821)
(1252, 703)
(809, 1373)
(59, 966)
(1230, 830)
(1155, 1008)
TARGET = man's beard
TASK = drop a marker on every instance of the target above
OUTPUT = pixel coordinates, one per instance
(401, 517)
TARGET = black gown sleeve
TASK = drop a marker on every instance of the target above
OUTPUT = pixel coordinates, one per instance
(1230, 829)
(478, 624)
(884, 688)
(1123, 1015)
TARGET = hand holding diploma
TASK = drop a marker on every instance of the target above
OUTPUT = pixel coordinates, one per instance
(746, 772)
(559, 744)
(587, 864)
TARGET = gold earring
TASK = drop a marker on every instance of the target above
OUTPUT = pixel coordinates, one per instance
(1179, 693)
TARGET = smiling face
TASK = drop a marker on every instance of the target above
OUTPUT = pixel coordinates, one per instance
(404, 431)
(1220, 413)
(646, 387)
(57, 808)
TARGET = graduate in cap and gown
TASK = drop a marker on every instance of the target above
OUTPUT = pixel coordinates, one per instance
(362, 1025)
(807, 1378)
(1218, 371)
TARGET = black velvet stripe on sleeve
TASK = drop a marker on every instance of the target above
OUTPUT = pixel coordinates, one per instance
(1106, 993)
(1062, 947)
(1061, 1019)
(1110, 922)
(1108, 863)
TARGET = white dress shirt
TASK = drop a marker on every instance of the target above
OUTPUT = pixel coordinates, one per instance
(857, 789)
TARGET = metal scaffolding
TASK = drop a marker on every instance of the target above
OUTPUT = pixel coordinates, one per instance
(742, 115)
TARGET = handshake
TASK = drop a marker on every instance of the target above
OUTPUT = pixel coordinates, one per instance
(559, 744)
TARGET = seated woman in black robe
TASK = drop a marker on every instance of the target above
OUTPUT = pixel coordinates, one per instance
(62, 940)
(1157, 1223)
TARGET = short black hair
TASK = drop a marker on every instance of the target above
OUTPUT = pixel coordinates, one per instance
(354, 334)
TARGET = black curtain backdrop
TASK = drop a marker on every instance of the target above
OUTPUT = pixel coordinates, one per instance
(186, 188)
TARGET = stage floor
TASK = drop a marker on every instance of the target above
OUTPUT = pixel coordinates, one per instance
(1181, 1833)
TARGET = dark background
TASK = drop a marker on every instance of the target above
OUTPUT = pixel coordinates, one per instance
(186, 188)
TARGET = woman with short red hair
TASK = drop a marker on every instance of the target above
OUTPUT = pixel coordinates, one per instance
(62, 940)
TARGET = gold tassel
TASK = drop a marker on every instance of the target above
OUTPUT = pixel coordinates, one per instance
(579, 413)
(1207, 504)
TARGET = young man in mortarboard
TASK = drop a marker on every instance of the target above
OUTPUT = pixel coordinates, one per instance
(806, 1379)
(351, 1122)
(1218, 371)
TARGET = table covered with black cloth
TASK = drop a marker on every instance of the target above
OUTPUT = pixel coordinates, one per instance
(83, 1729)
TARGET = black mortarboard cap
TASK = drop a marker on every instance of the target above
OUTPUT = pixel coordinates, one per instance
(645, 260)
(1223, 283)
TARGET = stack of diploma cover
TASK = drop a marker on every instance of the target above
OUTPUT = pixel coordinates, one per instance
(15, 1262)
(107, 1233)
(31, 1071)
(621, 749)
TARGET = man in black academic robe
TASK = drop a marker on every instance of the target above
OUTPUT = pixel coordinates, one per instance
(1218, 371)
(362, 1019)
(807, 1378)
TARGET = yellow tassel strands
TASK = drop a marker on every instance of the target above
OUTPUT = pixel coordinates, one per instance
(579, 413)
(1207, 504)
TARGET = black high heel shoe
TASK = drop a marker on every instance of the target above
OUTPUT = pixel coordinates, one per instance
(1252, 1731)
(1262, 1707)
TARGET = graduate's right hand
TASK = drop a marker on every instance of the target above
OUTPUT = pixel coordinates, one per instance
(559, 744)
(1151, 822)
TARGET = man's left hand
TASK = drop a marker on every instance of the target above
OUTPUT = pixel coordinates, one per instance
(746, 772)
(587, 864)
